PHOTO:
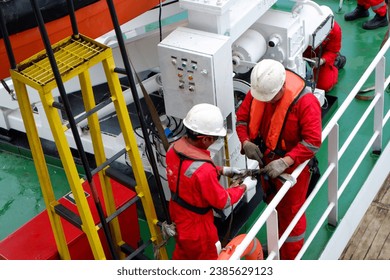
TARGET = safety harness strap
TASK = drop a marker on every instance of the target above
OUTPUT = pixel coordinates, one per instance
(175, 195)
(186, 205)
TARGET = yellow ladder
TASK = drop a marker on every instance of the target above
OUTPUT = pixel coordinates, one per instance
(74, 57)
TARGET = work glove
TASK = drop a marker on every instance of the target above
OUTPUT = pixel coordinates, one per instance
(252, 151)
(250, 183)
(231, 171)
(275, 168)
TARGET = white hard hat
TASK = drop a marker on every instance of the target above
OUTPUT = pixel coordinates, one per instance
(267, 78)
(205, 119)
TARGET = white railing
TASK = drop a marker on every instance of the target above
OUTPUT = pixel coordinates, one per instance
(330, 133)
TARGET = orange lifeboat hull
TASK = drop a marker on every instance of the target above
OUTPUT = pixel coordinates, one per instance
(93, 21)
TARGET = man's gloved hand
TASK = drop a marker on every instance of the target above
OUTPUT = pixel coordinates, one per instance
(275, 168)
(250, 183)
(231, 171)
(252, 151)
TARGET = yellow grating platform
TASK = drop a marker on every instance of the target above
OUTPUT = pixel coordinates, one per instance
(69, 54)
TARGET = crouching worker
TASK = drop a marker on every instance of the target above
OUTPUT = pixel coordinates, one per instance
(327, 57)
(193, 181)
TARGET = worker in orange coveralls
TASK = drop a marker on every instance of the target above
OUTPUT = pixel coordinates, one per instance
(193, 181)
(327, 57)
(279, 125)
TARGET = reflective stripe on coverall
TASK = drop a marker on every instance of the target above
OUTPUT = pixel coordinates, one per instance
(378, 6)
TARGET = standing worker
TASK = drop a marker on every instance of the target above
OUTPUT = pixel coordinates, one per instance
(193, 181)
(279, 124)
(379, 7)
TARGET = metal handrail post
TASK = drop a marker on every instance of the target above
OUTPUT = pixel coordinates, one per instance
(333, 148)
(379, 107)
(273, 235)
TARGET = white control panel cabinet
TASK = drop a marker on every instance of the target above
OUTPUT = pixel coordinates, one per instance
(196, 67)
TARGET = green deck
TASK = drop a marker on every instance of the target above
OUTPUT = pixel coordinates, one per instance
(21, 199)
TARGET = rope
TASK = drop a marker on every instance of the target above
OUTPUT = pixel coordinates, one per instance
(361, 94)
(168, 231)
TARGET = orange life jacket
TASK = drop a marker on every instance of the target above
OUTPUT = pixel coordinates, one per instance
(186, 151)
(293, 87)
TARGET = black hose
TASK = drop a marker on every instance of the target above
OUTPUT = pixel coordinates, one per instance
(137, 103)
(72, 16)
(6, 39)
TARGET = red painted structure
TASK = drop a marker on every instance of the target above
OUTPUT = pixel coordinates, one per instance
(35, 239)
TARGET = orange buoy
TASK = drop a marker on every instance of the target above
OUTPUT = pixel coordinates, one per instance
(254, 251)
